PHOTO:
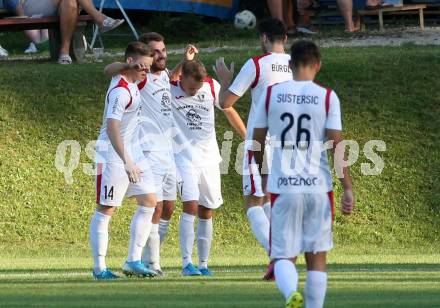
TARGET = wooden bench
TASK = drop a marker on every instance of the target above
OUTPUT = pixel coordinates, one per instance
(397, 10)
(77, 48)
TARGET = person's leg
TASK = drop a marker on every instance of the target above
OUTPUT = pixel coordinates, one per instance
(286, 277)
(186, 231)
(204, 235)
(288, 16)
(151, 252)
(87, 5)
(140, 226)
(68, 10)
(164, 222)
(346, 8)
(258, 220)
(276, 9)
(99, 236)
(316, 281)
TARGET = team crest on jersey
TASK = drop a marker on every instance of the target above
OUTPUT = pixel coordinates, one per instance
(166, 101)
(194, 120)
(201, 96)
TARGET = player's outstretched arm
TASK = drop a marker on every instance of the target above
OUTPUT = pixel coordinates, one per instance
(235, 121)
(113, 132)
(259, 139)
(342, 171)
(116, 68)
(189, 54)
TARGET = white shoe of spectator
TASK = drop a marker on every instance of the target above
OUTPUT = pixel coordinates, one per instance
(110, 23)
(3, 52)
(64, 60)
(32, 48)
(305, 30)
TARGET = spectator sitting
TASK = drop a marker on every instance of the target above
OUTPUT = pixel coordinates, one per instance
(68, 10)
(39, 38)
(277, 11)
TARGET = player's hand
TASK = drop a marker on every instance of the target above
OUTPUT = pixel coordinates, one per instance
(347, 202)
(138, 66)
(190, 52)
(133, 172)
(224, 74)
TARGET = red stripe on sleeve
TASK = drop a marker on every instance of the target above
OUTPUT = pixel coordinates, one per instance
(327, 100)
(211, 84)
(142, 84)
(269, 92)
(257, 69)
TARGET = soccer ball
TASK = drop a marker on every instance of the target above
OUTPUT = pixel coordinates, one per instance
(245, 20)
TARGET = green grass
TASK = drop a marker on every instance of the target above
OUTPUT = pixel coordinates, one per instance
(387, 253)
(386, 93)
(360, 282)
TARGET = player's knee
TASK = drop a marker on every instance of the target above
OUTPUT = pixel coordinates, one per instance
(190, 207)
(205, 213)
(167, 210)
(106, 210)
(148, 200)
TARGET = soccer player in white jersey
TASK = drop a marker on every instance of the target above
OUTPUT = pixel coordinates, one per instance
(303, 120)
(156, 124)
(197, 155)
(256, 74)
(121, 169)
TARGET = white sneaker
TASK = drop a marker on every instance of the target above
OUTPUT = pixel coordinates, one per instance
(305, 30)
(110, 23)
(3, 52)
(31, 48)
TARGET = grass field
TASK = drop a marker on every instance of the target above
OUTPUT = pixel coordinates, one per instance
(387, 252)
(357, 281)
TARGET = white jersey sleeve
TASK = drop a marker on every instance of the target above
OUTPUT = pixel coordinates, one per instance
(261, 112)
(334, 113)
(118, 99)
(244, 79)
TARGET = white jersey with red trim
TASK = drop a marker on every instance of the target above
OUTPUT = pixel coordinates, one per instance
(195, 142)
(122, 103)
(258, 73)
(297, 114)
(156, 117)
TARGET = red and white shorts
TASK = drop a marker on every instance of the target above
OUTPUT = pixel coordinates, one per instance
(301, 223)
(112, 183)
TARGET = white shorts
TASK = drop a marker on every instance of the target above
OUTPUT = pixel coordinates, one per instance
(164, 171)
(112, 183)
(201, 184)
(300, 223)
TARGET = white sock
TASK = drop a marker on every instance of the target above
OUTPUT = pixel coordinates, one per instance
(204, 239)
(151, 251)
(316, 286)
(260, 225)
(163, 229)
(286, 277)
(267, 208)
(186, 237)
(139, 231)
(99, 240)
